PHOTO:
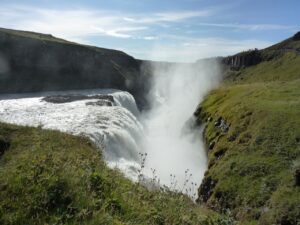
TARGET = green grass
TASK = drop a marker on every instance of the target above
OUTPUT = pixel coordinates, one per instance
(50, 38)
(48, 177)
(34, 35)
(284, 68)
(254, 171)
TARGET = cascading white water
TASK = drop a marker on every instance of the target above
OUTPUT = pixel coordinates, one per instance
(173, 145)
(114, 123)
(116, 127)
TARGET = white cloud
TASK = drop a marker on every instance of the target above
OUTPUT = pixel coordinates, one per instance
(176, 16)
(129, 19)
(169, 16)
(122, 32)
(252, 27)
(69, 24)
(192, 49)
(149, 38)
(77, 24)
(80, 25)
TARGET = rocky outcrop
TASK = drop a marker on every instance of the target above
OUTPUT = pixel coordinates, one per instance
(4, 145)
(250, 147)
(244, 59)
(222, 124)
(58, 99)
(100, 103)
(296, 37)
(32, 62)
(255, 56)
(206, 189)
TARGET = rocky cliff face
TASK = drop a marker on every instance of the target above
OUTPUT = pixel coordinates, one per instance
(254, 57)
(244, 59)
(32, 62)
(252, 136)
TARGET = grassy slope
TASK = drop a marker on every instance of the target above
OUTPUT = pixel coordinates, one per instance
(254, 172)
(47, 177)
(50, 38)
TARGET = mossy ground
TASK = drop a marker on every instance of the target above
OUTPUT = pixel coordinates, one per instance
(254, 163)
(48, 177)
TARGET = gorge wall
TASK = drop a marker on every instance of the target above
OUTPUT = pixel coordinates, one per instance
(33, 62)
(253, 57)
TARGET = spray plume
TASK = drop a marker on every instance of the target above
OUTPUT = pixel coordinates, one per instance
(174, 147)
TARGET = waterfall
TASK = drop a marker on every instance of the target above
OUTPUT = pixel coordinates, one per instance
(108, 117)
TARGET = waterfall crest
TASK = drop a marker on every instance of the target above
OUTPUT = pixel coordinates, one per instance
(107, 117)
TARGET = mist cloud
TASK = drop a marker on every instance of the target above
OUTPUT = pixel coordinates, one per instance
(172, 145)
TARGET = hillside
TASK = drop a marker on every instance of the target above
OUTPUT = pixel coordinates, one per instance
(48, 177)
(254, 57)
(34, 62)
(253, 137)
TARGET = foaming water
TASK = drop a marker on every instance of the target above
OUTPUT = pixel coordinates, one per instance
(110, 118)
(174, 144)
(114, 128)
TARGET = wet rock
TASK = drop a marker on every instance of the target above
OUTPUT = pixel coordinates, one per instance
(218, 154)
(211, 145)
(209, 119)
(100, 103)
(58, 99)
(218, 122)
(4, 146)
(198, 111)
(222, 124)
(206, 189)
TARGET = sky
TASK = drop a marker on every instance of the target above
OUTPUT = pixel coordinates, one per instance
(168, 30)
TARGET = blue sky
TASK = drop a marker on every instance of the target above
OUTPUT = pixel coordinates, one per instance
(173, 30)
